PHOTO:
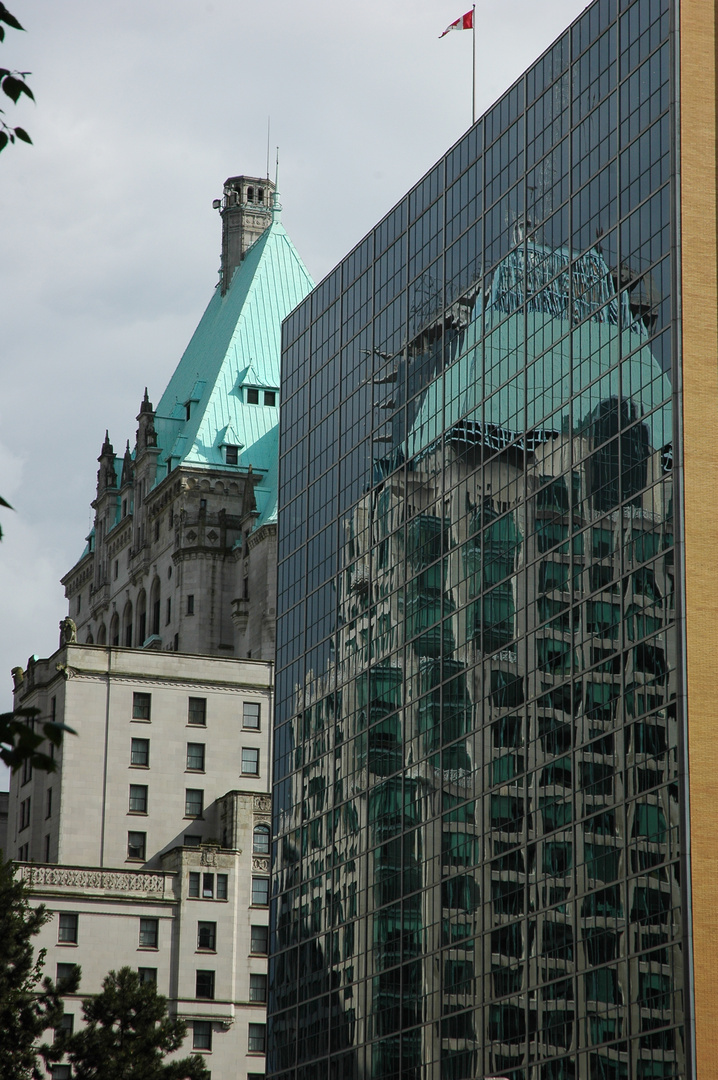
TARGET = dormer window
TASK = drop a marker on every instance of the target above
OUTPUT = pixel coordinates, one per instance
(270, 397)
(188, 410)
(231, 455)
(252, 396)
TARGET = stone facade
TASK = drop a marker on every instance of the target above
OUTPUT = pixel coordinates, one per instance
(152, 835)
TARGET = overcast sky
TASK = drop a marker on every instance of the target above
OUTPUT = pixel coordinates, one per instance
(110, 247)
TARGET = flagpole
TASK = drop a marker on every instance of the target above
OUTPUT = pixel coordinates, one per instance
(473, 64)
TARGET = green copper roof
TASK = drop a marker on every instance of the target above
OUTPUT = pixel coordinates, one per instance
(236, 347)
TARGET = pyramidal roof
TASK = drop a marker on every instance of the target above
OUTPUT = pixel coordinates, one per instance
(236, 347)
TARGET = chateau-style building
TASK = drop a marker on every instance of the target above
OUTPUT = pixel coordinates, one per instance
(150, 842)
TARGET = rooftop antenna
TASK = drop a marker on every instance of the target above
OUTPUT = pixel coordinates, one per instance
(277, 204)
(268, 124)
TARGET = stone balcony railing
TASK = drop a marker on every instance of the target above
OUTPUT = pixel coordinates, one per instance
(93, 881)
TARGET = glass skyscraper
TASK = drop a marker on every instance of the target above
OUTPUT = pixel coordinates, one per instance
(481, 791)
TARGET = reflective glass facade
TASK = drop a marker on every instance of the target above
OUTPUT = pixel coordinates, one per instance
(478, 796)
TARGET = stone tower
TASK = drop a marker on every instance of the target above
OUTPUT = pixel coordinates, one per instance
(246, 210)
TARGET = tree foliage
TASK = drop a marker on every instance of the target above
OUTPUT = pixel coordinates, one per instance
(13, 84)
(128, 1033)
(21, 736)
(29, 1003)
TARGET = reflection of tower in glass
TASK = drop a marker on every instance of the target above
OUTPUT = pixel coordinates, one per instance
(481, 786)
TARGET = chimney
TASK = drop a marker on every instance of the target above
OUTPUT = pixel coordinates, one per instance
(246, 210)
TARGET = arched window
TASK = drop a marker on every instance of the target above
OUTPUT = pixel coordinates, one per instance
(141, 618)
(115, 629)
(89, 640)
(155, 605)
(260, 840)
(127, 625)
(102, 634)
(250, 194)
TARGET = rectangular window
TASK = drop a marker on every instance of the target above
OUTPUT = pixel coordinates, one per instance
(136, 845)
(260, 891)
(138, 798)
(195, 756)
(60, 1072)
(26, 771)
(24, 853)
(24, 813)
(231, 455)
(207, 935)
(208, 886)
(250, 761)
(252, 396)
(147, 976)
(270, 398)
(221, 886)
(149, 933)
(67, 1024)
(190, 608)
(141, 706)
(257, 987)
(251, 715)
(193, 884)
(202, 1035)
(47, 849)
(191, 839)
(197, 711)
(204, 985)
(64, 971)
(193, 802)
(259, 940)
(48, 803)
(257, 1038)
(168, 617)
(67, 928)
(140, 752)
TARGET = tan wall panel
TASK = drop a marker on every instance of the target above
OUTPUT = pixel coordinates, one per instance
(700, 423)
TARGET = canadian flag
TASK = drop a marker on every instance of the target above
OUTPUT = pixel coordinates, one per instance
(466, 22)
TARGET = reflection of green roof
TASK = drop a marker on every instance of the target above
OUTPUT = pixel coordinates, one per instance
(560, 360)
(236, 345)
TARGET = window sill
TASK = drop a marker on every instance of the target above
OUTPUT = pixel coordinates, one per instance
(136, 861)
(137, 813)
(148, 948)
(139, 766)
(250, 775)
(139, 720)
(193, 817)
(68, 944)
(197, 772)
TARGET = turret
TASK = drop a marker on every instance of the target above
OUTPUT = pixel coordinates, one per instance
(246, 210)
(106, 474)
(146, 434)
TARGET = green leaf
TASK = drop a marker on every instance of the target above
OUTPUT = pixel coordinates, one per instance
(25, 89)
(2, 33)
(22, 134)
(12, 87)
(6, 17)
(3, 140)
(2, 501)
